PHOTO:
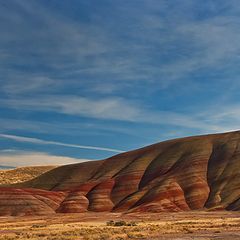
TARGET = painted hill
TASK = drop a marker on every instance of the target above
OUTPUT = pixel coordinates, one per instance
(22, 174)
(193, 173)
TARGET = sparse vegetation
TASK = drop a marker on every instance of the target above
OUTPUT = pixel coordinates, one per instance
(38, 225)
(22, 174)
(120, 223)
(122, 227)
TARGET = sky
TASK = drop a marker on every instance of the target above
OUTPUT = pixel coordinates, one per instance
(88, 79)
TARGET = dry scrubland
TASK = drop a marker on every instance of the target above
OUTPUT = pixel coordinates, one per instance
(93, 226)
(22, 174)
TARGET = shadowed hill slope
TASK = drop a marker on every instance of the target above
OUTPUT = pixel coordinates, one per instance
(201, 172)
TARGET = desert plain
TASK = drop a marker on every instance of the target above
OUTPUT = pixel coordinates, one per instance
(92, 226)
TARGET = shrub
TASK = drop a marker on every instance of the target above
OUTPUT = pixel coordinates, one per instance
(132, 224)
(110, 223)
(39, 225)
(120, 223)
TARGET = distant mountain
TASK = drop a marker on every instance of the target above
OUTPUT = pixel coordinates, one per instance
(193, 173)
(6, 167)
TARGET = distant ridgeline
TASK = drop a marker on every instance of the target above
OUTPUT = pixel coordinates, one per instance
(11, 175)
(6, 167)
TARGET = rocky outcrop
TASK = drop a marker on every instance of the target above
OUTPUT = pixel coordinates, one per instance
(194, 173)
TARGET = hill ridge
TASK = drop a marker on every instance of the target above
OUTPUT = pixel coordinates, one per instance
(191, 173)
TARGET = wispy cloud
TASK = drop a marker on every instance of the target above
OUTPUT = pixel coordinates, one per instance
(107, 56)
(109, 108)
(15, 158)
(137, 62)
(44, 142)
(32, 83)
(67, 50)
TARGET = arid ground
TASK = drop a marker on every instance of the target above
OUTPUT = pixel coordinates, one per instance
(184, 225)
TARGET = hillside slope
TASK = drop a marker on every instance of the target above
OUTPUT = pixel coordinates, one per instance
(201, 172)
(22, 174)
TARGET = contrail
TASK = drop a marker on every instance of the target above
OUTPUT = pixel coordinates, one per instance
(40, 141)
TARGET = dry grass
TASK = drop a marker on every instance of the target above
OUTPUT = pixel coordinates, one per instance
(91, 226)
(22, 174)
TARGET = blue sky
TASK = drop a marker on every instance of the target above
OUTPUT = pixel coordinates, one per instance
(86, 79)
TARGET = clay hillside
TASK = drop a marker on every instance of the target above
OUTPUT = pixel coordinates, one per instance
(185, 174)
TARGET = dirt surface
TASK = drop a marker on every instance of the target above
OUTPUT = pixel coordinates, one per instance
(184, 225)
